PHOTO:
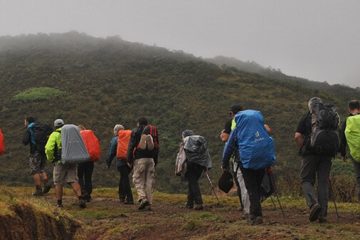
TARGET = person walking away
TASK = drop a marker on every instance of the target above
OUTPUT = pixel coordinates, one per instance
(63, 173)
(236, 169)
(140, 155)
(350, 136)
(250, 138)
(118, 147)
(317, 138)
(198, 160)
(85, 169)
(36, 136)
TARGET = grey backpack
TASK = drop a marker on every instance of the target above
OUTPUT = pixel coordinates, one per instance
(73, 148)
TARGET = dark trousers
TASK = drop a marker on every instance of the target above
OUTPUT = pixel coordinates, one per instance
(193, 174)
(84, 172)
(125, 193)
(253, 179)
(316, 166)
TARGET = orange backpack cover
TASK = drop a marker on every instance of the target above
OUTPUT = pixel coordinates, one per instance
(2, 143)
(92, 144)
(124, 137)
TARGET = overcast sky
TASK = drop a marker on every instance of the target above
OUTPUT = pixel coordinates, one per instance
(315, 39)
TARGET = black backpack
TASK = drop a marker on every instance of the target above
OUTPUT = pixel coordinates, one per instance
(41, 134)
(267, 185)
(324, 138)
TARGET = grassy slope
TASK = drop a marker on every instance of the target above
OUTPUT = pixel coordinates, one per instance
(110, 80)
(106, 218)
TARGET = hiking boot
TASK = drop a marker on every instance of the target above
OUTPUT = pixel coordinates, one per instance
(245, 216)
(322, 220)
(82, 203)
(59, 204)
(198, 207)
(143, 204)
(128, 202)
(38, 192)
(252, 220)
(87, 198)
(314, 212)
(47, 188)
(189, 205)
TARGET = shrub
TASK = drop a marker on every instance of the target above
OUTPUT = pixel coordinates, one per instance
(38, 94)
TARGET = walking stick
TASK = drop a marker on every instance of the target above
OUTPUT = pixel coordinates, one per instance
(269, 172)
(212, 187)
(333, 197)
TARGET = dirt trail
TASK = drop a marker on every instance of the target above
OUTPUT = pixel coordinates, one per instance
(173, 221)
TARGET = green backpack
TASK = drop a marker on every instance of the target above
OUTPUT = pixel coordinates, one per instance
(352, 133)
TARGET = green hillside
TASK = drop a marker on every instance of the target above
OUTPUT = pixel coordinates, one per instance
(99, 82)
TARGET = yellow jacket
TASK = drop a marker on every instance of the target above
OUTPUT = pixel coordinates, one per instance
(53, 146)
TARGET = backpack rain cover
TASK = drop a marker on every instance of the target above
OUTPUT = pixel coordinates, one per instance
(255, 146)
(73, 148)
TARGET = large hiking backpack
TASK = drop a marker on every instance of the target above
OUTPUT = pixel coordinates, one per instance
(73, 148)
(196, 151)
(324, 137)
(39, 135)
(92, 144)
(2, 143)
(124, 137)
(352, 133)
(256, 147)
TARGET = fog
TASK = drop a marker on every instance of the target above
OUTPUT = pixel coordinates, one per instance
(315, 39)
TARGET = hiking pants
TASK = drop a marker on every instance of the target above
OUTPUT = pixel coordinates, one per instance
(243, 191)
(193, 174)
(357, 176)
(84, 172)
(316, 166)
(124, 184)
(253, 180)
(143, 178)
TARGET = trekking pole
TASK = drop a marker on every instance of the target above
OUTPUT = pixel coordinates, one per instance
(333, 197)
(272, 200)
(212, 186)
(276, 195)
(282, 210)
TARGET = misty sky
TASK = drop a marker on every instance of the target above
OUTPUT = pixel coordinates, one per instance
(316, 39)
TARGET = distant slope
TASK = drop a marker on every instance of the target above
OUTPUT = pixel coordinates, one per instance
(253, 67)
(110, 81)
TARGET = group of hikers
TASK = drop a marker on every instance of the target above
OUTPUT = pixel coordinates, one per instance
(248, 156)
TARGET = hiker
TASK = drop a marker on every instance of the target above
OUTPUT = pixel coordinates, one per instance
(36, 136)
(317, 139)
(118, 147)
(250, 138)
(198, 161)
(62, 173)
(350, 133)
(141, 157)
(85, 169)
(236, 169)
